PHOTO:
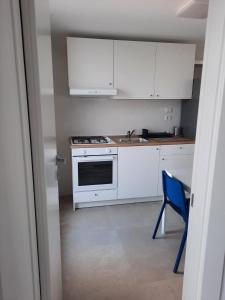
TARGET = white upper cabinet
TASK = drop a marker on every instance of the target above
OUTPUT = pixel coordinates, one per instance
(174, 71)
(134, 69)
(130, 69)
(90, 63)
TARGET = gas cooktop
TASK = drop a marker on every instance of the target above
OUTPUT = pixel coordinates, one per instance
(90, 140)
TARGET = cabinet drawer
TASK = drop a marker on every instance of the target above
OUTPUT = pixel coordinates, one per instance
(94, 196)
(177, 149)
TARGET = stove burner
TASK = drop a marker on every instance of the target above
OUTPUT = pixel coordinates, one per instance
(89, 140)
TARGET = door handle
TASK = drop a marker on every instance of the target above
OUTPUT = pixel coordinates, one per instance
(60, 159)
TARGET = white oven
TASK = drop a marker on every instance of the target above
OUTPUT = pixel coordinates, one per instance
(94, 169)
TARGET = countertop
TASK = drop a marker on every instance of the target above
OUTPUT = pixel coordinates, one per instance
(152, 142)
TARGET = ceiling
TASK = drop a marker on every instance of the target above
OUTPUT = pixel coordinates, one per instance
(140, 19)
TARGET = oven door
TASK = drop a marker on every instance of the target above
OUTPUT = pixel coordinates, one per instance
(92, 173)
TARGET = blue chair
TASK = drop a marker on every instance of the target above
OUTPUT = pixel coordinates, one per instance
(174, 195)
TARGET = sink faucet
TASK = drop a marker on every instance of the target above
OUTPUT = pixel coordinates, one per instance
(130, 133)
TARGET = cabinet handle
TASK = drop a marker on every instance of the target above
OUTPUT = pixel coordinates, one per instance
(151, 95)
(163, 159)
(110, 83)
(96, 194)
(157, 95)
(157, 148)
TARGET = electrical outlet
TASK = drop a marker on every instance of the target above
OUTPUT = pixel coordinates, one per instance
(168, 117)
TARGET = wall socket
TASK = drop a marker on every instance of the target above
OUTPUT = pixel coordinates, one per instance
(168, 117)
(168, 110)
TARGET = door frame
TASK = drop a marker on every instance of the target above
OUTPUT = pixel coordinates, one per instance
(31, 10)
(204, 263)
(203, 272)
(19, 277)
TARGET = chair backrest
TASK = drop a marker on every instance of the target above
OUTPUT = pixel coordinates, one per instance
(174, 192)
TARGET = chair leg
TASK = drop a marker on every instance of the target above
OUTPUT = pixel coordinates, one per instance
(159, 219)
(182, 244)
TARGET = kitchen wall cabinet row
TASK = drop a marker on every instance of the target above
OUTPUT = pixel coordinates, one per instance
(137, 70)
(140, 168)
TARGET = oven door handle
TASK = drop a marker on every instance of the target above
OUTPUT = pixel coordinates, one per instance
(96, 158)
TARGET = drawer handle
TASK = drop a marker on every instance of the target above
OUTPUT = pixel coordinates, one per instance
(96, 194)
(163, 159)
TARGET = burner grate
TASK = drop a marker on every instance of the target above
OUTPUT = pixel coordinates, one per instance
(89, 140)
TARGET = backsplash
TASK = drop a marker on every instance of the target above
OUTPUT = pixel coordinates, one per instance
(111, 117)
(103, 116)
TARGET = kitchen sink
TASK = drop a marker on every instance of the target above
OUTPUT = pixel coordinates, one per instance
(133, 140)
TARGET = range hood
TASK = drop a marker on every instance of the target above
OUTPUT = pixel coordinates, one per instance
(93, 92)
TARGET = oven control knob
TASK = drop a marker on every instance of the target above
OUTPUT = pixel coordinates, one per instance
(109, 150)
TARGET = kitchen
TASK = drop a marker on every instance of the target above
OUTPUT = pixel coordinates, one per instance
(105, 89)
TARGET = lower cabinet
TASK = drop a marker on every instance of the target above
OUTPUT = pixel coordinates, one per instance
(173, 162)
(174, 158)
(138, 169)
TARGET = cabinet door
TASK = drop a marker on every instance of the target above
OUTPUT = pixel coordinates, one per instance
(173, 162)
(137, 171)
(174, 71)
(90, 63)
(134, 69)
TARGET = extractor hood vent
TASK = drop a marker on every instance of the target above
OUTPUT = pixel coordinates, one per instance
(196, 9)
(93, 92)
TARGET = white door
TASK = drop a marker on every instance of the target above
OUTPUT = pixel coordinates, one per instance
(173, 162)
(90, 63)
(134, 69)
(174, 71)
(204, 266)
(38, 61)
(137, 171)
(19, 272)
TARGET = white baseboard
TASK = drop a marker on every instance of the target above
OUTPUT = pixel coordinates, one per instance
(118, 202)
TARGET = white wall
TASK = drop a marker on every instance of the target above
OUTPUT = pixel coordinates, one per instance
(81, 116)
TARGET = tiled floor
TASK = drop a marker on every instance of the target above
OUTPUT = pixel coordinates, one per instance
(108, 253)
